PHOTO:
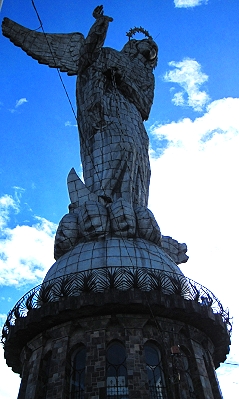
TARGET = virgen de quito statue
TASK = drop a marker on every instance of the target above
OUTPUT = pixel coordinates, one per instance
(114, 318)
(114, 93)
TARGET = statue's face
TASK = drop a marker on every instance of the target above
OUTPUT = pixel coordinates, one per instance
(148, 49)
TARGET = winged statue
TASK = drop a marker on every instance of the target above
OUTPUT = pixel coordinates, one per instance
(114, 95)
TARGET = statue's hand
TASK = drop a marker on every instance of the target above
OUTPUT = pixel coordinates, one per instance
(99, 12)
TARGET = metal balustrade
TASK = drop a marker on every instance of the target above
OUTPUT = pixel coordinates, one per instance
(119, 278)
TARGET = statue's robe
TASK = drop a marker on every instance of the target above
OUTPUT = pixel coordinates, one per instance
(114, 95)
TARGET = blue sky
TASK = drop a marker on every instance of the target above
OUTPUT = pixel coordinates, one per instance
(194, 135)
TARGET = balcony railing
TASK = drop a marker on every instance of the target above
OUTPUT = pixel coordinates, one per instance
(119, 278)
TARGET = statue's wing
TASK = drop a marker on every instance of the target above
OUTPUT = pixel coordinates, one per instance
(56, 50)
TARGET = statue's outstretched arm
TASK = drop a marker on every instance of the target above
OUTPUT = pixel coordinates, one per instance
(95, 39)
(56, 50)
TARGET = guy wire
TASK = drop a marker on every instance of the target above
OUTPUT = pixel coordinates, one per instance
(66, 92)
(58, 71)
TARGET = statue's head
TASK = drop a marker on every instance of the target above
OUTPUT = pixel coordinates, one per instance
(146, 48)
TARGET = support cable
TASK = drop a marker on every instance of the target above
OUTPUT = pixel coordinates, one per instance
(58, 71)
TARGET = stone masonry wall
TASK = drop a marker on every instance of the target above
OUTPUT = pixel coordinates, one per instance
(133, 330)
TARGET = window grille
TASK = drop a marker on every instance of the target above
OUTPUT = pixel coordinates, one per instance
(156, 380)
(185, 368)
(116, 372)
(78, 374)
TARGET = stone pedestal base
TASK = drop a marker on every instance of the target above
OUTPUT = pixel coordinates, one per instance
(189, 338)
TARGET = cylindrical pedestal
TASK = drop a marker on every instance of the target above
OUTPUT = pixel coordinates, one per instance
(116, 344)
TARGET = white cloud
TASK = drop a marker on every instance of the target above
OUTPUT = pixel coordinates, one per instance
(2, 319)
(228, 379)
(189, 3)
(228, 373)
(9, 389)
(197, 174)
(188, 75)
(20, 102)
(194, 196)
(7, 203)
(26, 252)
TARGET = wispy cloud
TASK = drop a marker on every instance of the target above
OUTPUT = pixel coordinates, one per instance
(7, 203)
(20, 102)
(22, 259)
(68, 123)
(3, 298)
(188, 75)
(189, 3)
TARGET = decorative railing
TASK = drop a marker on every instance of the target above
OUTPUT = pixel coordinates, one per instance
(119, 278)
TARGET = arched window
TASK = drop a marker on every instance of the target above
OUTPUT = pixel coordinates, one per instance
(185, 369)
(44, 376)
(77, 385)
(156, 380)
(116, 371)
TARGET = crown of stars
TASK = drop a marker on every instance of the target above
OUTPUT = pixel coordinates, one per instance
(135, 30)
